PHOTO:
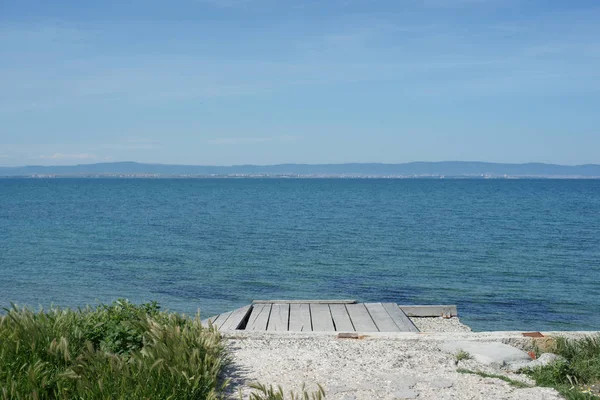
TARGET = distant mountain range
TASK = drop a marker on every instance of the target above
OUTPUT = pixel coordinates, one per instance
(413, 169)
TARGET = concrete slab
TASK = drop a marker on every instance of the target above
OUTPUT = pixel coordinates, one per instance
(542, 361)
(487, 353)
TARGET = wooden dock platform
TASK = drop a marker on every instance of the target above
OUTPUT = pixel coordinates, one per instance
(325, 316)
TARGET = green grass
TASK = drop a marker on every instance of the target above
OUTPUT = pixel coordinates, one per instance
(462, 355)
(117, 351)
(573, 376)
(262, 392)
(510, 381)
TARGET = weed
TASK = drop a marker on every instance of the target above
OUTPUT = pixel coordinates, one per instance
(510, 381)
(462, 355)
(576, 372)
(263, 392)
(118, 351)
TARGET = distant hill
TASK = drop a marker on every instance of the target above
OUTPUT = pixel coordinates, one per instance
(413, 169)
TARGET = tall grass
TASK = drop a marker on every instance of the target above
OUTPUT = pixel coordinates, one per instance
(578, 372)
(263, 392)
(117, 351)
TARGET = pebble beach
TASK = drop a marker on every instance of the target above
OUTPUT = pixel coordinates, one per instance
(381, 365)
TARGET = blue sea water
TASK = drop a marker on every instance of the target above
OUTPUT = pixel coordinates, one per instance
(512, 254)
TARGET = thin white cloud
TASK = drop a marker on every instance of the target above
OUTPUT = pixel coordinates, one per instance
(63, 156)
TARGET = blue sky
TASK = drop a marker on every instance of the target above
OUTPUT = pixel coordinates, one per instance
(224, 82)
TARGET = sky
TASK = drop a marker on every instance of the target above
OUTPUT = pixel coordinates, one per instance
(229, 82)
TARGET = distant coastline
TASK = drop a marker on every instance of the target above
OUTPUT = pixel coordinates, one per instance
(418, 170)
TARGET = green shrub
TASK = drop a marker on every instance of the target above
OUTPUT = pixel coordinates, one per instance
(119, 327)
(462, 355)
(579, 369)
(117, 351)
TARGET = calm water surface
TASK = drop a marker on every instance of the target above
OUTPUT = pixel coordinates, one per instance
(522, 254)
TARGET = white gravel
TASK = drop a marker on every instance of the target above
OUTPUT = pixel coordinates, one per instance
(380, 366)
(439, 324)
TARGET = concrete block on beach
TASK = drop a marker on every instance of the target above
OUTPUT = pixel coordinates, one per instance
(488, 353)
(543, 360)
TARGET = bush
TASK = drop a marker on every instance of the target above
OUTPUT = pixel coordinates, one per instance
(577, 372)
(119, 327)
(117, 351)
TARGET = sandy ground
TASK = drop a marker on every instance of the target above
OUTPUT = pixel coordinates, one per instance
(379, 366)
(440, 325)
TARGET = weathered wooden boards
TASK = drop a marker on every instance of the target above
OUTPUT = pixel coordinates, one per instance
(230, 320)
(361, 319)
(382, 319)
(400, 319)
(341, 319)
(279, 319)
(321, 316)
(235, 319)
(259, 318)
(304, 301)
(300, 320)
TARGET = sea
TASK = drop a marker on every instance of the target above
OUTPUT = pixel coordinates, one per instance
(511, 254)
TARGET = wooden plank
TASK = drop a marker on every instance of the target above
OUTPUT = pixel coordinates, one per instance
(304, 302)
(382, 319)
(259, 318)
(221, 318)
(400, 318)
(341, 319)
(321, 318)
(300, 318)
(279, 319)
(430, 311)
(235, 319)
(205, 322)
(361, 319)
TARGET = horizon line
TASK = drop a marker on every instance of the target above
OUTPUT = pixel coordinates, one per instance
(293, 163)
